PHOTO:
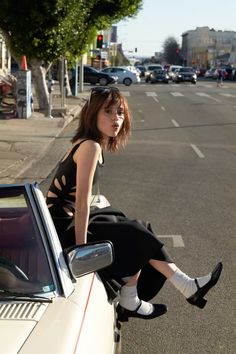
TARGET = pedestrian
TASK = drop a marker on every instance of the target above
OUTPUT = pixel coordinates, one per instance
(219, 78)
(142, 264)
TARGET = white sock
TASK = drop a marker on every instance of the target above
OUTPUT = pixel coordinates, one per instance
(129, 300)
(185, 284)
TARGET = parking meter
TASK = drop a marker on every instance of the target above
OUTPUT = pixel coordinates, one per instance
(50, 89)
(50, 86)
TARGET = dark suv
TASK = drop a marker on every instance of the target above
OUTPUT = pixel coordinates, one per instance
(185, 74)
(149, 69)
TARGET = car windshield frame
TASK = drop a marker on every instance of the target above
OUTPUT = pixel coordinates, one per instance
(25, 256)
(185, 70)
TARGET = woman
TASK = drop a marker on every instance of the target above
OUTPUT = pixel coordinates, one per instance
(105, 124)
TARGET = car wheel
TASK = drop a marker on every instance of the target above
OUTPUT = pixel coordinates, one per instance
(127, 81)
(146, 80)
(103, 81)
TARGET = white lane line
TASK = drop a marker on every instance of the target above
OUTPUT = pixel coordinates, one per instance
(197, 151)
(177, 240)
(227, 94)
(175, 123)
(163, 108)
(176, 94)
(203, 94)
(151, 94)
(125, 93)
(156, 99)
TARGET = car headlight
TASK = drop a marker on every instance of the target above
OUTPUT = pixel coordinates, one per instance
(194, 76)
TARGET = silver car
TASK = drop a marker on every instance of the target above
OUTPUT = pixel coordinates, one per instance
(51, 300)
(125, 76)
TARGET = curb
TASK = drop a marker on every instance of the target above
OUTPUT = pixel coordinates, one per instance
(29, 171)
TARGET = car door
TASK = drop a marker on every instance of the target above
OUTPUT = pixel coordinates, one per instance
(59, 315)
(90, 75)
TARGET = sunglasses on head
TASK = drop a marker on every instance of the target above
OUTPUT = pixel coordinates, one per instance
(101, 90)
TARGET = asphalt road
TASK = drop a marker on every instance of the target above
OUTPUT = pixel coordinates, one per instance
(179, 171)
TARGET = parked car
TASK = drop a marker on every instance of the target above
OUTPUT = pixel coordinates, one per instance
(185, 74)
(149, 69)
(93, 76)
(233, 77)
(172, 70)
(209, 73)
(124, 76)
(159, 75)
(51, 300)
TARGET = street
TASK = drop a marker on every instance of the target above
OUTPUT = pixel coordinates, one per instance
(178, 171)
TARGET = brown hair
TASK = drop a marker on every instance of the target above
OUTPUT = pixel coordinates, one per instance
(88, 119)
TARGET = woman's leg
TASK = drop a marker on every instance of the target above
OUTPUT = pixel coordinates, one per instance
(131, 306)
(194, 289)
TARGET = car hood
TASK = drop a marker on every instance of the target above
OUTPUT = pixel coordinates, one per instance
(17, 321)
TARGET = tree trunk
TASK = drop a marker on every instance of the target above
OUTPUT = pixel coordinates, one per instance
(40, 85)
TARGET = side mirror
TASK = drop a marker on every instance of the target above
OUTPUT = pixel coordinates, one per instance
(89, 258)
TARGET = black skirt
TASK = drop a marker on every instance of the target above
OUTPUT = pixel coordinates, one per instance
(134, 243)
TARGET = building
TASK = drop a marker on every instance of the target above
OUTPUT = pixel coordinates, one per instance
(205, 47)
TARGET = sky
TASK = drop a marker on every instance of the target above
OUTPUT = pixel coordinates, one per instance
(159, 20)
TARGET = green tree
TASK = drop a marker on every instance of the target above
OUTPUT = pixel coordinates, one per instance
(46, 30)
(171, 51)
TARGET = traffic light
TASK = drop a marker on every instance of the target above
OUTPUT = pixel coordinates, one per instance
(99, 41)
(177, 50)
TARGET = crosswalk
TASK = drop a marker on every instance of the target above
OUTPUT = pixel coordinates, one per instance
(213, 96)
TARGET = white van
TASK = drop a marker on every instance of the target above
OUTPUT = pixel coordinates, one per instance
(172, 70)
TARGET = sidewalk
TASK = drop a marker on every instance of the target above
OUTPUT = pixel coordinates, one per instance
(24, 143)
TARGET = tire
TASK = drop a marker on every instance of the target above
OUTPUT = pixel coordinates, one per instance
(103, 81)
(127, 81)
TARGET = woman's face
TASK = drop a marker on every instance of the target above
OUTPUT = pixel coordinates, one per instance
(110, 120)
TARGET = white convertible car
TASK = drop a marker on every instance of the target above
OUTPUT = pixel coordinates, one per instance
(51, 301)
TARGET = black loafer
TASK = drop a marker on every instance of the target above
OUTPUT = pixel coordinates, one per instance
(124, 314)
(197, 299)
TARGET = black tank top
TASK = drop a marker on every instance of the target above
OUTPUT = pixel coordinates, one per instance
(61, 200)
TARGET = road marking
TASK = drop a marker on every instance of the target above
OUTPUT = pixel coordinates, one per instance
(156, 99)
(198, 152)
(151, 94)
(163, 108)
(177, 240)
(125, 93)
(176, 94)
(203, 94)
(175, 123)
(227, 94)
